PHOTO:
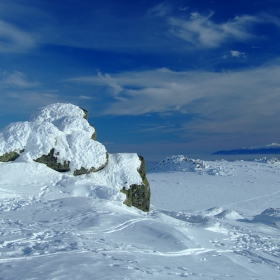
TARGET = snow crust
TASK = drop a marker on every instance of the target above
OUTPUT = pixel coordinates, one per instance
(60, 126)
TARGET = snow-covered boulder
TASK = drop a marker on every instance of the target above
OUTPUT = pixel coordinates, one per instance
(60, 137)
(57, 135)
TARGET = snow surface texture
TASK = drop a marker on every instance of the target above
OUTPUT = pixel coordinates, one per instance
(219, 221)
(59, 126)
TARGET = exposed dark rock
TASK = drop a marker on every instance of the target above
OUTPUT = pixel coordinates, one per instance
(86, 113)
(94, 135)
(51, 161)
(139, 196)
(86, 171)
(9, 157)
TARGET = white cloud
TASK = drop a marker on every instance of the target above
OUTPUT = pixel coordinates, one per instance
(13, 39)
(201, 32)
(16, 79)
(107, 79)
(237, 54)
(26, 101)
(225, 102)
(159, 10)
(85, 97)
(194, 15)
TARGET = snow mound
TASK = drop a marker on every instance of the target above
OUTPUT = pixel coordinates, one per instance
(229, 215)
(270, 161)
(270, 216)
(180, 163)
(214, 211)
(218, 170)
(59, 127)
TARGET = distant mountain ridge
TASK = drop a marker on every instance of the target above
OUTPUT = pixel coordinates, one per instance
(273, 148)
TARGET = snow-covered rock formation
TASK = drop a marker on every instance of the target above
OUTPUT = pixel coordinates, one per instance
(60, 136)
(57, 135)
(179, 163)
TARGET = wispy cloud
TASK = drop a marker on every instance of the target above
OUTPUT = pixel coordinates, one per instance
(237, 54)
(16, 79)
(202, 32)
(159, 10)
(85, 97)
(26, 101)
(155, 128)
(107, 79)
(219, 101)
(159, 28)
(12, 39)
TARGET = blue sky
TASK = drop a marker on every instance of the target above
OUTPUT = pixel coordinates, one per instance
(157, 77)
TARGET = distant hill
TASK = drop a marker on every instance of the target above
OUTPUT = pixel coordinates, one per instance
(273, 148)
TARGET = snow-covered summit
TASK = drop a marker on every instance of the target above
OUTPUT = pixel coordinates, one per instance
(57, 111)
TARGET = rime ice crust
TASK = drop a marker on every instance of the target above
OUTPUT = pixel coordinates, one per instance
(57, 111)
(58, 128)
(14, 137)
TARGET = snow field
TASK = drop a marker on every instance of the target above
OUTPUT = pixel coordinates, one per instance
(220, 221)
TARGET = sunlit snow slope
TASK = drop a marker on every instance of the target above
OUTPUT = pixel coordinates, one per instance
(219, 220)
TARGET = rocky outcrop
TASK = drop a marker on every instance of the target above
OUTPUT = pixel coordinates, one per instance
(139, 195)
(11, 156)
(51, 161)
(60, 136)
(57, 135)
(83, 170)
(94, 135)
